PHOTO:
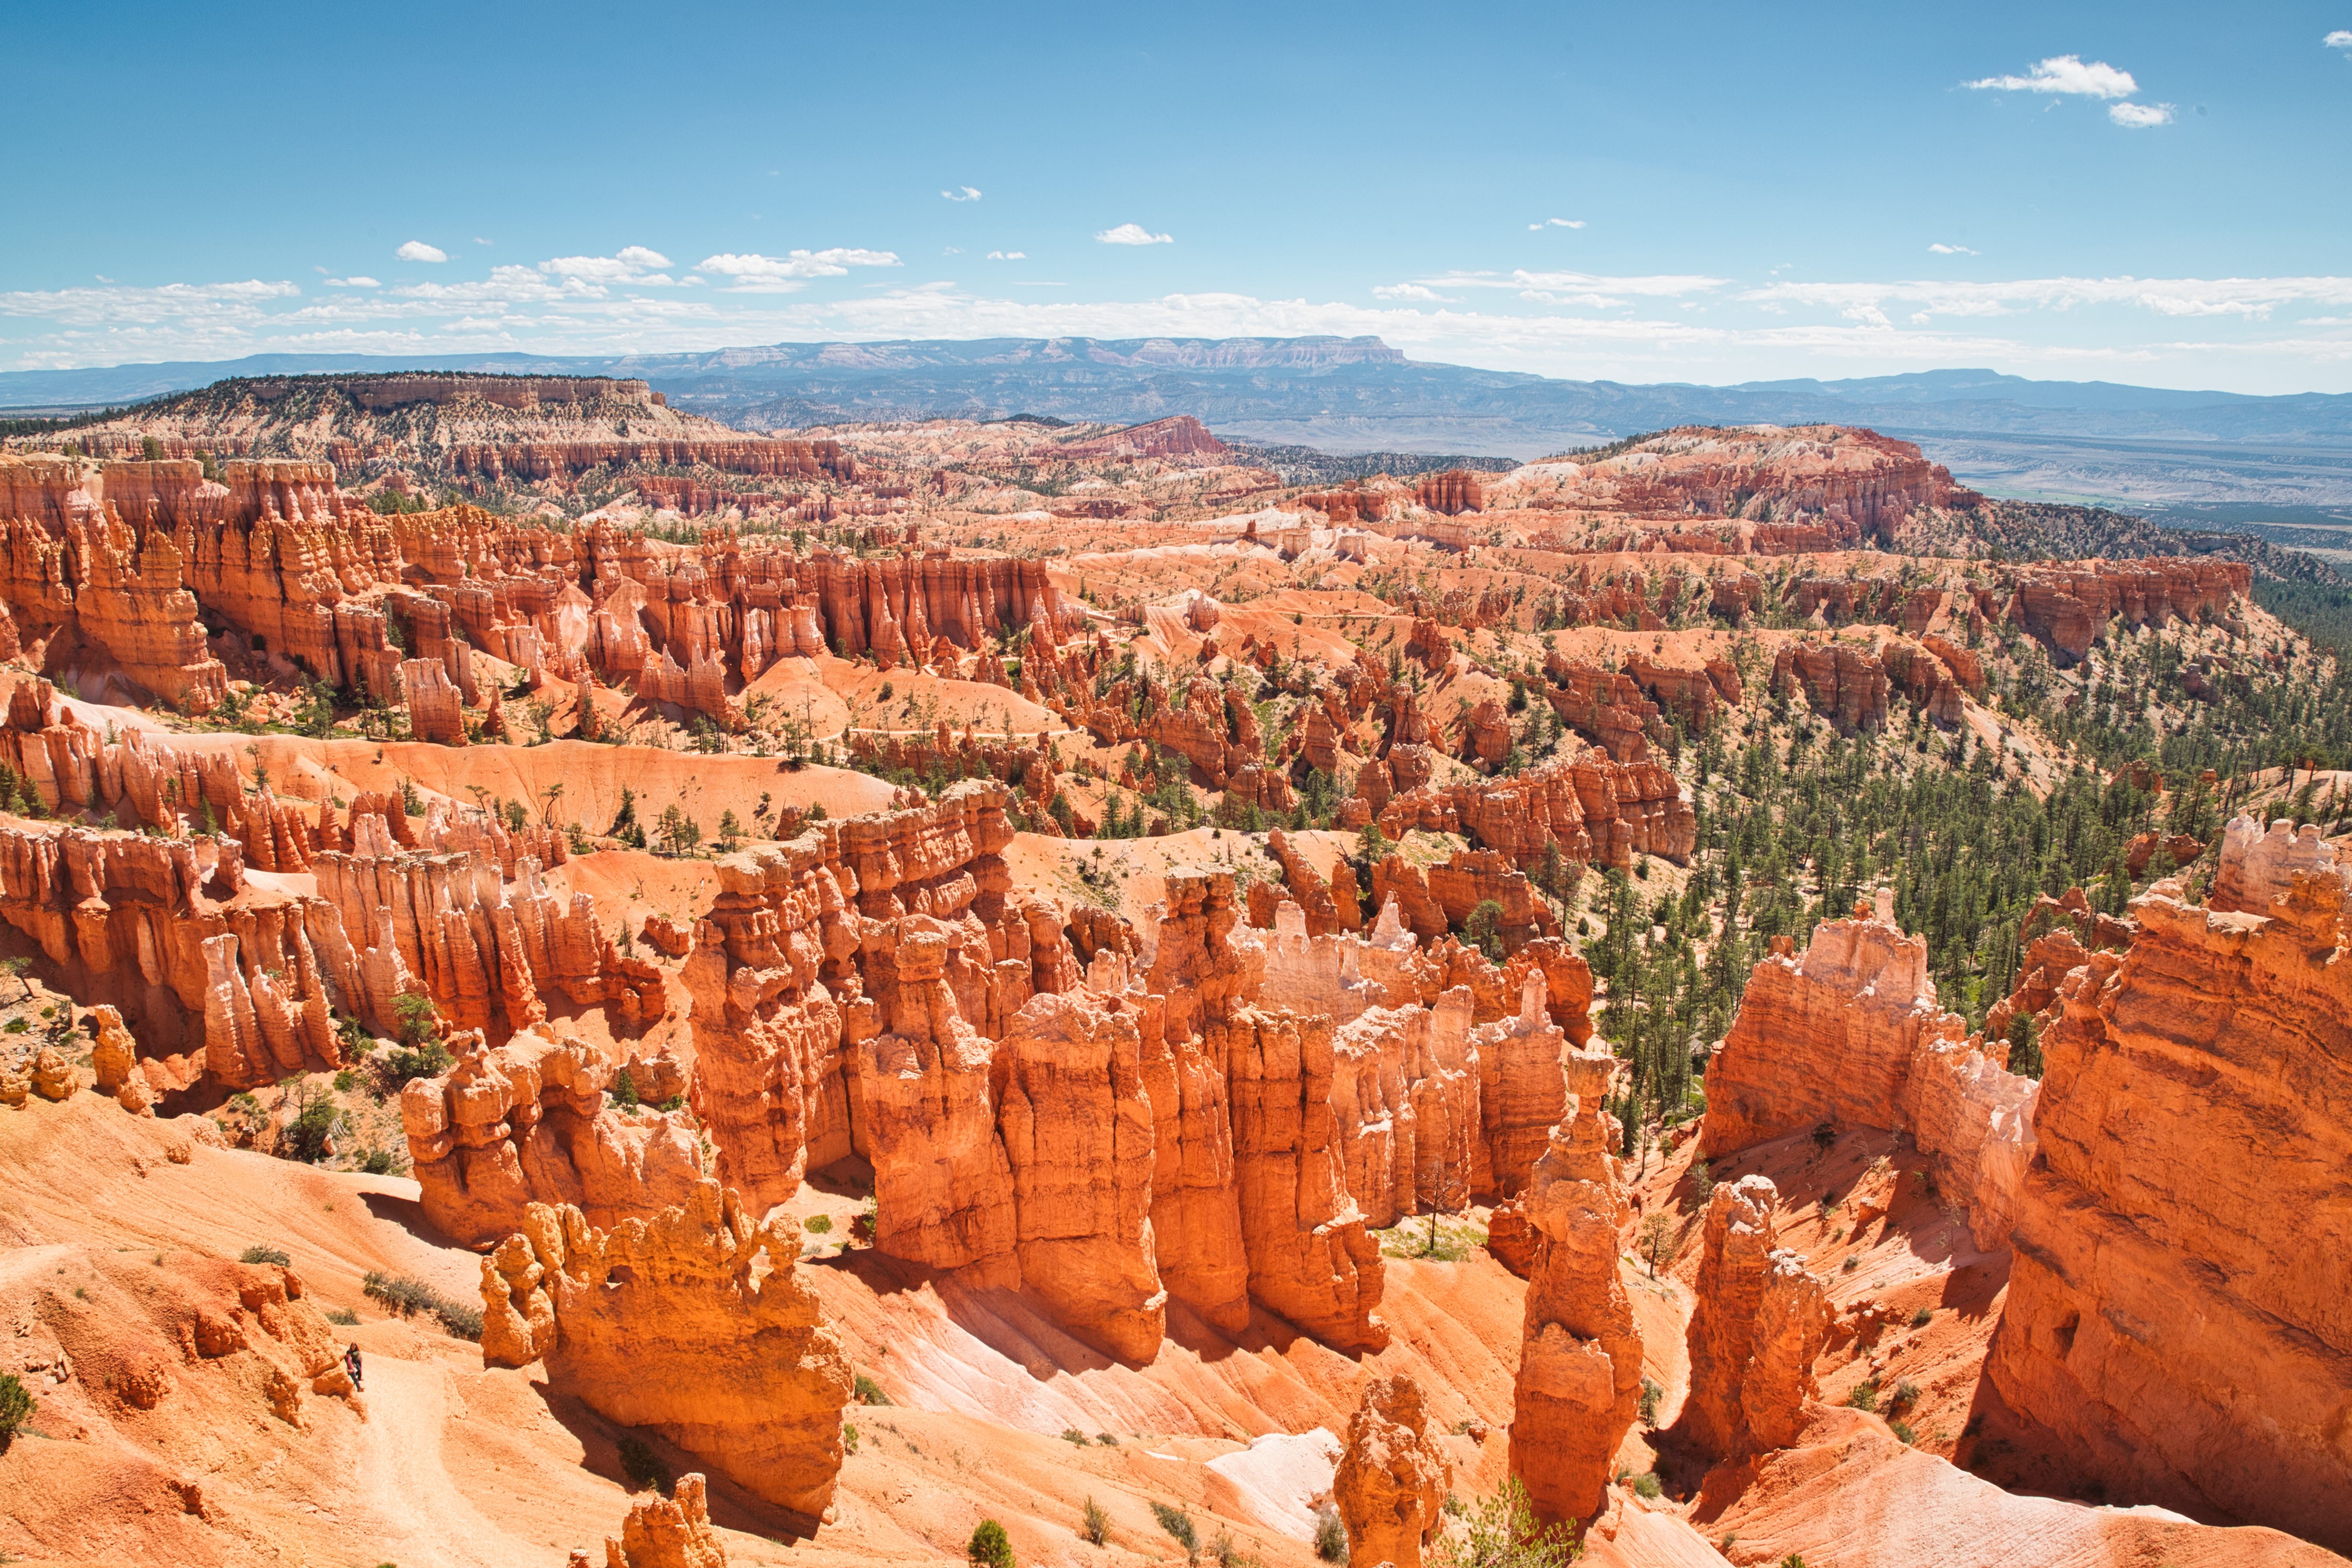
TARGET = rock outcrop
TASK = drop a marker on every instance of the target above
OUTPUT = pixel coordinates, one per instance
(1393, 1479)
(1759, 1322)
(526, 1123)
(1596, 810)
(1850, 1033)
(671, 1532)
(694, 1323)
(1844, 684)
(1580, 1379)
(2182, 1238)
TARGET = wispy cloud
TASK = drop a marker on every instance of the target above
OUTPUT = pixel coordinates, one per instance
(1555, 223)
(479, 240)
(1409, 291)
(417, 250)
(2140, 116)
(2252, 298)
(353, 282)
(1133, 234)
(2066, 73)
(1940, 248)
(787, 274)
(1008, 256)
(1586, 291)
(961, 193)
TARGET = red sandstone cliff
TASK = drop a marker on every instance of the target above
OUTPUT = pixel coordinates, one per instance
(2182, 1237)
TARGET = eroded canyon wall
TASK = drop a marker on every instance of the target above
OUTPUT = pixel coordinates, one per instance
(2178, 1311)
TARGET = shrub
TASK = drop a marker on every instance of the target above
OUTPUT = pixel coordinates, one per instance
(1864, 1395)
(818, 1224)
(1923, 1316)
(1906, 1395)
(868, 1392)
(1177, 1524)
(1650, 1394)
(258, 1254)
(990, 1547)
(1824, 1134)
(1093, 1525)
(15, 1408)
(1330, 1535)
(1647, 1484)
(1702, 1181)
(380, 1162)
(1071, 1435)
(315, 1121)
(643, 1467)
(1851, 1263)
(625, 1091)
(399, 1294)
(343, 1317)
(1502, 1531)
(346, 1081)
(848, 1438)
(1902, 1429)
(1107, 1440)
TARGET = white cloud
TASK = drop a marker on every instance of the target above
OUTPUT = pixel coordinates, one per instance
(1008, 256)
(2066, 73)
(786, 274)
(417, 250)
(961, 193)
(1555, 223)
(1407, 292)
(353, 282)
(1134, 234)
(2339, 39)
(479, 240)
(630, 265)
(2140, 116)
(1940, 248)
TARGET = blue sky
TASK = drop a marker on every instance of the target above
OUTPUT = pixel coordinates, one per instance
(2152, 194)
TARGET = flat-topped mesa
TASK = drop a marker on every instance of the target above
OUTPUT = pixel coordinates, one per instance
(694, 1321)
(1850, 1033)
(1580, 1378)
(2168, 1259)
(526, 1123)
(400, 389)
(1757, 1325)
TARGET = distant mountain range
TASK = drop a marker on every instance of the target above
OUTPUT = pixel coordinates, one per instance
(2289, 457)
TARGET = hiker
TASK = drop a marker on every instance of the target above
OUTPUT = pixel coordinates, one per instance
(351, 1365)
